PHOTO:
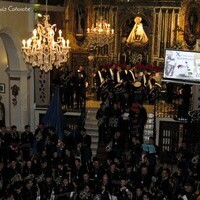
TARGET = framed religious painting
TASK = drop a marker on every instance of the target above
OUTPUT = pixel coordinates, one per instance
(192, 26)
(2, 88)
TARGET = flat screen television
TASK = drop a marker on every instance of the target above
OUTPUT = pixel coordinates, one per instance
(182, 66)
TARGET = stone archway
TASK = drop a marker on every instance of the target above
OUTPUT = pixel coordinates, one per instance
(17, 104)
(12, 46)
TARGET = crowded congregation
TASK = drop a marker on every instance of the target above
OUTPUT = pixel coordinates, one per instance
(99, 100)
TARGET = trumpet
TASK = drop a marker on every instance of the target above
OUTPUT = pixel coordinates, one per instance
(109, 147)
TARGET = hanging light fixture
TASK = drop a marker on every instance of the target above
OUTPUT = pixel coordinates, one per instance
(41, 50)
(101, 34)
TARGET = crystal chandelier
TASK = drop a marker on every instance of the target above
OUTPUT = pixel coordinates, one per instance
(41, 50)
(101, 34)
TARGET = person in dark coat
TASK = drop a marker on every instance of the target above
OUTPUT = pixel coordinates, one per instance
(68, 139)
(142, 119)
(125, 191)
(163, 185)
(189, 191)
(11, 141)
(86, 152)
(96, 170)
(77, 170)
(65, 189)
(111, 74)
(2, 113)
(29, 191)
(69, 84)
(105, 187)
(27, 140)
(80, 87)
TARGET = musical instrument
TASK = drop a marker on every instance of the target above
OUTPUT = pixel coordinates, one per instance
(16, 178)
(137, 84)
(158, 85)
(39, 136)
(100, 121)
(155, 88)
(195, 159)
(97, 197)
(109, 147)
(118, 88)
(104, 86)
(113, 122)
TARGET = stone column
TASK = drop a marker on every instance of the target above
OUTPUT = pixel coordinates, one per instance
(19, 97)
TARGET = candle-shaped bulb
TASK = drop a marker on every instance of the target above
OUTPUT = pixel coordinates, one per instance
(67, 43)
(34, 32)
(51, 33)
(29, 42)
(63, 42)
(112, 31)
(60, 33)
(24, 43)
(39, 43)
(53, 44)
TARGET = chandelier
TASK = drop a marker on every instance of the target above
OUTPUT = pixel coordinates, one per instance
(101, 34)
(41, 50)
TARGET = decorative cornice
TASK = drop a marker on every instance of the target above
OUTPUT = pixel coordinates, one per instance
(18, 73)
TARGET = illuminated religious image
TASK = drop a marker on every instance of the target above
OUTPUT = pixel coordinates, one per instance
(137, 34)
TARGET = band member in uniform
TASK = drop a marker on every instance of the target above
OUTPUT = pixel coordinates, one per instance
(2, 113)
(111, 74)
(80, 87)
(144, 81)
(124, 74)
(152, 88)
(69, 85)
(100, 79)
(126, 80)
(131, 74)
(144, 78)
(118, 75)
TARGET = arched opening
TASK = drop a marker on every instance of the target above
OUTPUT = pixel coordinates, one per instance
(12, 47)
(14, 75)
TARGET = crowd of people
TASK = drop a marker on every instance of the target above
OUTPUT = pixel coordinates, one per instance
(107, 80)
(125, 80)
(42, 166)
(72, 86)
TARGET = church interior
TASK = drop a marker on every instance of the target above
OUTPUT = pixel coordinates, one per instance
(71, 74)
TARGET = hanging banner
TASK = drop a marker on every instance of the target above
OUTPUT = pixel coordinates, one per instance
(42, 88)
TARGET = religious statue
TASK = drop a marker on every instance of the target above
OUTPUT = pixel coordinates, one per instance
(137, 34)
(2, 113)
(81, 17)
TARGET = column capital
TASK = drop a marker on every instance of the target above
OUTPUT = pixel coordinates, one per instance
(18, 73)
